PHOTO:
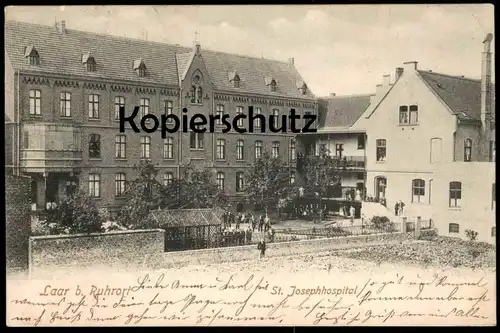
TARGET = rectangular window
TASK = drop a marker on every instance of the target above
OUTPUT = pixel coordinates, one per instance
(276, 117)
(168, 107)
(361, 141)
(258, 149)
(339, 150)
(240, 181)
(292, 178)
(239, 111)
(168, 178)
(94, 185)
(94, 106)
(219, 112)
(381, 150)
(276, 149)
(221, 149)
(168, 148)
(413, 114)
(467, 150)
(306, 117)
(292, 150)
(240, 150)
(35, 102)
(196, 140)
(144, 106)
(454, 228)
(94, 146)
(257, 121)
(418, 190)
(120, 180)
(145, 147)
(403, 115)
(65, 104)
(120, 146)
(455, 194)
(220, 181)
(119, 102)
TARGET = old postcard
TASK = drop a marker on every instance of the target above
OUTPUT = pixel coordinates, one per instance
(325, 165)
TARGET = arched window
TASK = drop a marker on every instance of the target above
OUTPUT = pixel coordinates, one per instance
(199, 96)
(417, 190)
(467, 150)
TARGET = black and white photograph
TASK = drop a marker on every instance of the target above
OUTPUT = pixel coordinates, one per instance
(250, 165)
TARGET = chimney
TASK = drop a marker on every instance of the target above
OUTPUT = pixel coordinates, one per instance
(399, 72)
(61, 27)
(333, 94)
(197, 48)
(486, 94)
(386, 81)
(410, 65)
(291, 61)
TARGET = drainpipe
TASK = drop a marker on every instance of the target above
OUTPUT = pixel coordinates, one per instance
(179, 153)
(18, 127)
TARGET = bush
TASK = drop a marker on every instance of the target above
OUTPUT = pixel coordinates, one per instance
(78, 214)
(471, 234)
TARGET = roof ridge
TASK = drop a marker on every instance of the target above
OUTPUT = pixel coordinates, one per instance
(451, 76)
(349, 95)
(146, 41)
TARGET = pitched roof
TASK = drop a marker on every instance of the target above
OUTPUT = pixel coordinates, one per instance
(62, 53)
(462, 95)
(342, 111)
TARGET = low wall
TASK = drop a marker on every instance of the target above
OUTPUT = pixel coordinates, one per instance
(130, 250)
(240, 253)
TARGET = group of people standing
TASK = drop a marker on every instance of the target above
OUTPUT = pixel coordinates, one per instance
(399, 208)
(262, 223)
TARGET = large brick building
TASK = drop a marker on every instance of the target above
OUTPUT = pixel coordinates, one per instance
(64, 89)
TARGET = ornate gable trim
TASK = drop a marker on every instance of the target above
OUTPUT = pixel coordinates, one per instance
(145, 91)
(94, 86)
(36, 80)
(66, 83)
(123, 89)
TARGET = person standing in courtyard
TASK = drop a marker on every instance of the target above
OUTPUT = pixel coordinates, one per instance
(267, 223)
(396, 208)
(262, 247)
(352, 211)
(261, 223)
(249, 234)
(401, 207)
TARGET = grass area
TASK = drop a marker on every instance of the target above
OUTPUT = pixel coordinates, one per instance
(437, 251)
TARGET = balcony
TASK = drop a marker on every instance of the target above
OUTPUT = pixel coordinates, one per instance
(355, 163)
(50, 147)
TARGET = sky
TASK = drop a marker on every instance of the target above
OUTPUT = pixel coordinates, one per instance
(342, 49)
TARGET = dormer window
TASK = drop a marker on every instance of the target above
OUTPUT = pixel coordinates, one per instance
(302, 87)
(32, 54)
(234, 78)
(271, 82)
(139, 67)
(89, 61)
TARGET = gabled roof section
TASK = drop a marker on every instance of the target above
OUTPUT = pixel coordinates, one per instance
(462, 95)
(30, 51)
(184, 60)
(300, 84)
(342, 111)
(232, 76)
(269, 80)
(87, 58)
(138, 63)
(166, 63)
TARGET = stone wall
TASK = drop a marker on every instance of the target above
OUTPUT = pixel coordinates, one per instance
(129, 250)
(17, 220)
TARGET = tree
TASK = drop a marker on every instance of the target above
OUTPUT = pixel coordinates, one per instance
(76, 214)
(197, 189)
(320, 173)
(142, 195)
(267, 181)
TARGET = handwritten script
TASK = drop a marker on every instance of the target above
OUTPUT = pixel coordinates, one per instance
(238, 299)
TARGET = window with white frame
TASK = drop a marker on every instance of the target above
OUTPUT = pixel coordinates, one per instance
(219, 112)
(276, 149)
(120, 180)
(240, 181)
(120, 146)
(276, 117)
(94, 185)
(94, 106)
(220, 180)
(292, 149)
(221, 149)
(144, 106)
(35, 102)
(413, 114)
(168, 178)
(403, 115)
(381, 150)
(239, 111)
(168, 107)
(257, 121)
(417, 190)
(196, 140)
(65, 104)
(258, 149)
(119, 103)
(145, 147)
(455, 194)
(168, 148)
(467, 150)
(240, 150)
